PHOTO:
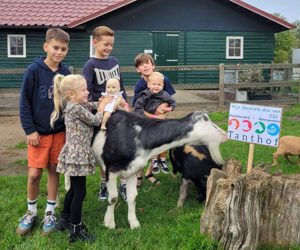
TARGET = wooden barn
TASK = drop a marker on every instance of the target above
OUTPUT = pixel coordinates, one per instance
(175, 32)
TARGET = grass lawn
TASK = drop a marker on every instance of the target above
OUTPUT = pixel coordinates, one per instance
(163, 226)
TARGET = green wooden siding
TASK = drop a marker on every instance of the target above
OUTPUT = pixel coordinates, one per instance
(209, 48)
(127, 45)
(193, 48)
(79, 49)
(33, 48)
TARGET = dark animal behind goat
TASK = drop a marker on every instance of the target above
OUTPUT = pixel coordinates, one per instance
(194, 163)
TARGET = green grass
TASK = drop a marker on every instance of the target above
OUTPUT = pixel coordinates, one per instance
(20, 145)
(22, 162)
(163, 226)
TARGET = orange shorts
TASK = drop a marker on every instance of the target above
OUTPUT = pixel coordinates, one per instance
(47, 152)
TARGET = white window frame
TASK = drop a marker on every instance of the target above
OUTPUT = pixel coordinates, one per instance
(92, 48)
(9, 46)
(241, 56)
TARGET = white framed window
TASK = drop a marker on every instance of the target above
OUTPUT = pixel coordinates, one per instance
(92, 48)
(234, 47)
(16, 46)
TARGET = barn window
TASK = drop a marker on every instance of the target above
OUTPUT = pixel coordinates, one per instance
(234, 47)
(16, 46)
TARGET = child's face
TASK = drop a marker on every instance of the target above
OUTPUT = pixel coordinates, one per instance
(146, 68)
(112, 86)
(104, 46)
(155, 84)
(80, 95)
(56, 50)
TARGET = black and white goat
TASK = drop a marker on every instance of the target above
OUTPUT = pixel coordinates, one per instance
(194, 162)
(130, 141)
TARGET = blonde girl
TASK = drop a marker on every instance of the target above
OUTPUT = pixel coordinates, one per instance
(76, 159)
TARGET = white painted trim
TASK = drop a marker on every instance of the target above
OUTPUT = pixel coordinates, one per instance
(92, 49)
(172, 34)
(241, 38)
(9, 48)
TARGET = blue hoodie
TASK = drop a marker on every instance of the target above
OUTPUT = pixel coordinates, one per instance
(97, 71)
(36, 98)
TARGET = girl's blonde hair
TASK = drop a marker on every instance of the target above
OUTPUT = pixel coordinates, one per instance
(62, 86)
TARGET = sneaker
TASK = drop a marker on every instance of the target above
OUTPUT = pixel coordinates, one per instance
(103, 193)
(122, 192)
(63, 222)
(164, 167)
(80, 232)
(26, 223)
(49, 223)
(155, 167)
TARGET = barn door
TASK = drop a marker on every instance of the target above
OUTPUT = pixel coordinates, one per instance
(165, 52)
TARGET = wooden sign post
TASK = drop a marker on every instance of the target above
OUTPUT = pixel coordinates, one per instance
(250, 158)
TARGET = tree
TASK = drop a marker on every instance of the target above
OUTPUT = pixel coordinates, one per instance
(285, 42)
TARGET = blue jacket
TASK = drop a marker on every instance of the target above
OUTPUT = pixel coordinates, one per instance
(36, 98)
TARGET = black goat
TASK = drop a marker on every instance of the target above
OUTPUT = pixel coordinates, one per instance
(194, 162)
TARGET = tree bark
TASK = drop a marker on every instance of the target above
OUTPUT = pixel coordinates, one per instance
(245, 211)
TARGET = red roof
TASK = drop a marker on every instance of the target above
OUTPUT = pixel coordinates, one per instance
(59, 13)
(264, 14)
(71, 13)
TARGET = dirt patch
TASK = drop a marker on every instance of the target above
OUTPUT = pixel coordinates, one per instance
(294, 118)
(11, 158)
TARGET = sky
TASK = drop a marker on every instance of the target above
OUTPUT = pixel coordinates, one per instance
(290, 9)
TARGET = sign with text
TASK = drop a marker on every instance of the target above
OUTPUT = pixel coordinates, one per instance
(254, 124)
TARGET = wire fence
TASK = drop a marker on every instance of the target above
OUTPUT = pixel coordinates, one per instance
(198, 87)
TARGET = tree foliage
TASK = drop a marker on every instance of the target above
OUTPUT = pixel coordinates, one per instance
(285, 42)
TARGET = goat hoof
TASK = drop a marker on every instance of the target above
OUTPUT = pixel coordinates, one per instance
(135, 225)
(110, 225)
(179, 204)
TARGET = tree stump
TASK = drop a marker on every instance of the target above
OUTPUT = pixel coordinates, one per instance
(245, 211)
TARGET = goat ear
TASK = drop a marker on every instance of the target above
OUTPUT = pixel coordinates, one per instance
(196, 116)
(205, 117)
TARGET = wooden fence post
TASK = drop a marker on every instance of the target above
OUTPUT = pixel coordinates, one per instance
(299, 92)
(221, 86)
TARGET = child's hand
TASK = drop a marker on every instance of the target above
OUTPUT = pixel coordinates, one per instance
(33, 139)
(125, 106)
(167, 109)
(103, 101)
(161, 116)
(106, 99)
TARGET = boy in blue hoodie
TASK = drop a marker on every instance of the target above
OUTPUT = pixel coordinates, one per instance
(44, 142)
(97, 70)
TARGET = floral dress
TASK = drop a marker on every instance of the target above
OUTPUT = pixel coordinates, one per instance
(76, 157)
